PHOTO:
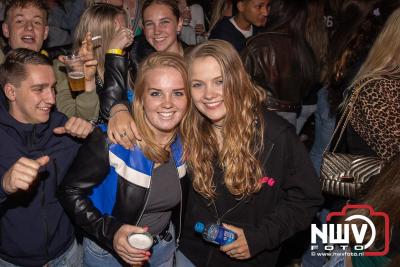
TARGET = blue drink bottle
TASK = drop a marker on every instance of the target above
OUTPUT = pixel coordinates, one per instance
(215, 233)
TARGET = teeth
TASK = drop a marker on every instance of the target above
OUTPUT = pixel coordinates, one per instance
(212, 104)
(45, 109)
(166, 114)
(27, 37)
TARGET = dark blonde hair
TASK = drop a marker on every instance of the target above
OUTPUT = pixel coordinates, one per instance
(98, 19)
(172, 4)
(149, 144)
(39, 4)
(242, 131)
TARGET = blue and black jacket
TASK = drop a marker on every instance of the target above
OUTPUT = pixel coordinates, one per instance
(108, 186)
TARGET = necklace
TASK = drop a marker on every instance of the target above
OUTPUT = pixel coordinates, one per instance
(217, 126)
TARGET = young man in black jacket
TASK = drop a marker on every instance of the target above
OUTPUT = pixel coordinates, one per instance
(34, 157)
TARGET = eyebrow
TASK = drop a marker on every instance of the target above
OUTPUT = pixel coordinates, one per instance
(215, 78)
(22, 15)
(163, 18)
(159, 90)
(42, 85)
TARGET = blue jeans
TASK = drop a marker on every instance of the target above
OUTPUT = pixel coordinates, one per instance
(324, 127)
(162, 254)
(336, 260)
(182, 261)
(291, 117)
(306, 112)
(298, 121)
(71, 258)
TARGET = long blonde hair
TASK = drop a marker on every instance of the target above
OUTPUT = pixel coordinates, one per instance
(99, 19)
(218, 11)
(149, 144)
(242, 131)
(384, 57)
(383, 60)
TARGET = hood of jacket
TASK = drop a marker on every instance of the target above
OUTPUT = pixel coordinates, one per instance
(34, 228)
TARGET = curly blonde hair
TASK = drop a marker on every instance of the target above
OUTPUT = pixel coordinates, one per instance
(242, 131)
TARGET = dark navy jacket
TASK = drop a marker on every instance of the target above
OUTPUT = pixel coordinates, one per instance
(225, 30)
(33, 226)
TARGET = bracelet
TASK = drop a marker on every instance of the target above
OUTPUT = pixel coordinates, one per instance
(115, 51)
(119, 110)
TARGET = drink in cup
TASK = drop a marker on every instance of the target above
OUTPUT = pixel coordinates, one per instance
(76, 76)
(76, 80)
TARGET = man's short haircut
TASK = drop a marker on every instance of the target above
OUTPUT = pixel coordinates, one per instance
(40, 4)
(13, 69)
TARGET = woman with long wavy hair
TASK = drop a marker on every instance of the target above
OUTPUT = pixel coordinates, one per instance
(249, 171)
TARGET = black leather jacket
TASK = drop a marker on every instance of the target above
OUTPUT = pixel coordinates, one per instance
(116, 71)
(272, 60)
(89, 169)
(140, 50)
(115, 84)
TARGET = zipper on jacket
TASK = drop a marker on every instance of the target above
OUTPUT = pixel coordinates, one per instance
(147, 197)
(45, 225)
(219, 220)
(209, 256)
(180, 205)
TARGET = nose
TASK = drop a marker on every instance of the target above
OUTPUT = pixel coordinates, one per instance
(28, 25)
(209, 93)
(157, 28)
(167, 101)
(50, 97)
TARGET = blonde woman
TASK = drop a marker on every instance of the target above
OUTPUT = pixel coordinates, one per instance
(108, 23)
(111, 192)
(249, 170)
(220, 9)
(374, 127)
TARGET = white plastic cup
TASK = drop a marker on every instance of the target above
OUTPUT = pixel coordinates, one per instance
(140, 240)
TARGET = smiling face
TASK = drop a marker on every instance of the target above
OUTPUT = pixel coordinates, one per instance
(32, 100)
(161, 28)
(164, 100)
(26, 28)
(207, 89)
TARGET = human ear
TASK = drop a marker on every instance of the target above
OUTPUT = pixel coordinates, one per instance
(5, 29)
(46, 32)
(9, 91)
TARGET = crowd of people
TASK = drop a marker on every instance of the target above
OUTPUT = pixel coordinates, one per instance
(192, 111)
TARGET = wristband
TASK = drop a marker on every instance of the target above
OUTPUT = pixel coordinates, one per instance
(115, 51)
(119, 110)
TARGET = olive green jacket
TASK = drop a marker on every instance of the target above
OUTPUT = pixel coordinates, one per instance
(86, 105)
